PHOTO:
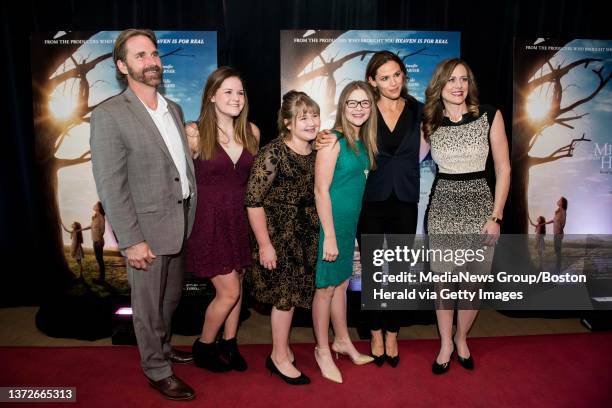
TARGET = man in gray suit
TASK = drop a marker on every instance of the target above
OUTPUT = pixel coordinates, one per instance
(145, 179)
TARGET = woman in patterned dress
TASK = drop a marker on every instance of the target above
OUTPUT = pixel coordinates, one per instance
(281, 209)
(461, 134)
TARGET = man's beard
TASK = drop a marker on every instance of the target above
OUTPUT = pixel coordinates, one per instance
(151, 80)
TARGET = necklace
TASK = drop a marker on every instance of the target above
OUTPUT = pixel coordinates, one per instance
(227, 140)
(450, 117)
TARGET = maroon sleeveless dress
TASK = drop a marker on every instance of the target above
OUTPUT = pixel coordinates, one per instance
(219, 241)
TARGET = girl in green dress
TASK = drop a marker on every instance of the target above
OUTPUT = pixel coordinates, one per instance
(341, 169)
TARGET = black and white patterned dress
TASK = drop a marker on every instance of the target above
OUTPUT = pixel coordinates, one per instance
(461, 199)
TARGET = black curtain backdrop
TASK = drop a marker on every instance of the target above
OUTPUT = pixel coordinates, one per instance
(248, 39)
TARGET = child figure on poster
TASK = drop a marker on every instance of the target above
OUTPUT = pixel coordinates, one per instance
(76, 244)
(98, 227)
(558, 222)
(540, 232)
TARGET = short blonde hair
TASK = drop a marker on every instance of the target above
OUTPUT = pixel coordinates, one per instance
(295, 103)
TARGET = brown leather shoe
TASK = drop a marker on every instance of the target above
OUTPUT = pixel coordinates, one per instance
(180, 357)
(173, 388)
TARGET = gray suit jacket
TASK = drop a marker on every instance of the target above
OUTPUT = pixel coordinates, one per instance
(135, 175)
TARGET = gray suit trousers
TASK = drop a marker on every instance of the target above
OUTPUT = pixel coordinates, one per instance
(156, 293)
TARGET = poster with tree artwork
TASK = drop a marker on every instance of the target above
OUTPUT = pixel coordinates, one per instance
(72, 73)
(561, 140)
(561, 190)
(322, 62)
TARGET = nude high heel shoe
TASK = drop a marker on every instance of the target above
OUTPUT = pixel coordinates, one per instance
(360, 359)
(329, 370)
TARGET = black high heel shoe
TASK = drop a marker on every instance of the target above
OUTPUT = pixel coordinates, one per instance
(467, 363)
(378, 360)
(393, 361)
(438, 369)
(301, 380)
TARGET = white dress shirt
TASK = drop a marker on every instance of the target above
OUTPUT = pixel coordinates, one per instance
(172, 137)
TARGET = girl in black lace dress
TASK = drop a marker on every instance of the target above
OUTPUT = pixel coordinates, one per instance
(281, 209)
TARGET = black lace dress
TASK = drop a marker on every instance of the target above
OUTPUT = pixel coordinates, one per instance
(282, 182)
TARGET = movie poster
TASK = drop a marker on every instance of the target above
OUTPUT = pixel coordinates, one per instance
(73, 72)
(562, 144)
(562, 162)
(322, 62)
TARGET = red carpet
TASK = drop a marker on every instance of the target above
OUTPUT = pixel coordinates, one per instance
(566, 370)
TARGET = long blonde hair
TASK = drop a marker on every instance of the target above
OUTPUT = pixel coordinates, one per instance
(295, 103)
(433, 111)
(207, 122)
(367, 131)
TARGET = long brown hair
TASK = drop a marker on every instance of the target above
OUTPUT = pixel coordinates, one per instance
(433, 112)
(78, 230)
(207, 121)
(379, 59)
(541, 225)
(295, 103)
(367, 132)
(100, 208)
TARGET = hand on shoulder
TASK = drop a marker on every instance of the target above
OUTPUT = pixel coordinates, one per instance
(255, 131)
(324, 138)
(193, 136)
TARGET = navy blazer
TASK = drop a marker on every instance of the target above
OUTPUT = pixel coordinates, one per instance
(398, 172)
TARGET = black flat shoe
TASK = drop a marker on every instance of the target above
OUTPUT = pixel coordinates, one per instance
(378, 360)
(301, 380)
(393, 361)
(229, 351)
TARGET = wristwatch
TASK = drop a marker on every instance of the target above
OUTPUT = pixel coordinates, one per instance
(495, 219)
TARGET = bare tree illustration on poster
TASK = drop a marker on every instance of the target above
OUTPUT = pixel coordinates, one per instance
(73, 73)
(559, 115)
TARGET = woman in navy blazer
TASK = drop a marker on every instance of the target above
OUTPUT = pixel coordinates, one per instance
(392, 191)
